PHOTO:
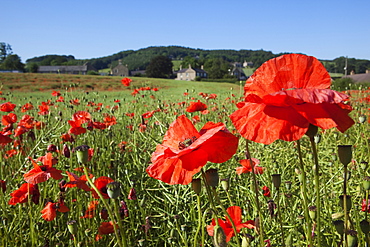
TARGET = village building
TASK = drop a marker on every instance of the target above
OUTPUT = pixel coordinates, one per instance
(120, 69)
(66, 69)
(190, 74)
(363, 77)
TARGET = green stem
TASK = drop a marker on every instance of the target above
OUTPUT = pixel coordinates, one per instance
(317, 185)
(116, 211)
(304, 194)
(256, 193)
(345, 205)
(280, 220)
(200, 222)
(111, 215)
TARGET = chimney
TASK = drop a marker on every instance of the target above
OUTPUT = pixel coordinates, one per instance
(189, 66)
(180, 67)
(367, 71)
(201, 67)
(352, 72)
(119, 61)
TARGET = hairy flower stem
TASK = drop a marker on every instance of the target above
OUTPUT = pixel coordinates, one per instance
(317, 185)
(110, 213)
(304, 194)
(280, 220)
(200, 223)
(345, 205)
(255, 185)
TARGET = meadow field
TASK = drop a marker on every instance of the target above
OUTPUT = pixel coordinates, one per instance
(82, 165)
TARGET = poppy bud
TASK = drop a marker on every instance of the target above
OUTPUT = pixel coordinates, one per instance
(72, 227)
(311, 131)
(219, 237)
(348, 202)
(62, 187)
(366, 183)
(132, 194)
(363, 165)
(52, 148)
(104, 214)
(345, 154)
(225, 184)
(339, 226)
(113, 190)
(66, 151)
(362, 119)
(276, 180)
(196, 185)
(82, 153)
(212, 177)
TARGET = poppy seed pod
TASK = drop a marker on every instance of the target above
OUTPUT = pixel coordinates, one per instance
(72, 227)
(113, 190)
(219, 237)
(225, 184)
(196, 184)
(339, 226)
(66, 151)
(348, 202)
(276, 180)
(345, 154)
(365, 226)
(82, 153)
(212, 177)
(312, 212)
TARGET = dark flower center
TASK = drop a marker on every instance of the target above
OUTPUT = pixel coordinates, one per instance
(43, 168)
(187, 142)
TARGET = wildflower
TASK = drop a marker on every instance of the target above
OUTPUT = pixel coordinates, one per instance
(184, 150)
(287, 94)
(101, 184)
(266, 191)
(55, 93)
(235, 213)
(247, 167)
(90, 211)
(196, 106)
(132, 194)
(26, 107)
(42, 173)
(49, 212)
(365, 206)
(126, 81)
(22, 194)
(76, 181)
(7, 107)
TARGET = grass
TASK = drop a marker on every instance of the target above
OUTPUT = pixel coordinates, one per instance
(162, 214)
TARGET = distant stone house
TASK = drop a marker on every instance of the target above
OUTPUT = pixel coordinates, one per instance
(120, 70)
(363, 77)
(238, 72)
(190, 74)
(66, 69)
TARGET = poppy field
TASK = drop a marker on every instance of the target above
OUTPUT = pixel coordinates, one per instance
(281, 160)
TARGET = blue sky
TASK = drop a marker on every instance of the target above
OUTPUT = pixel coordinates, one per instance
(326, 29)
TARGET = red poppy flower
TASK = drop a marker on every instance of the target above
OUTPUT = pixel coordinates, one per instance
(266, 191)
(3, 185)
(76, 181)
(11, 118)
(126, 81)
(49, 212)
(56, 93)
(235, 213)
(22, 194)
(246, 166)
(74, 102)
(101, 184)
(106, 228)
(5, 139)
(44, 108)
(287, 94)
(90, 211)
(196, 106)
(60, 99)
(365, 206)
(26, 107)
(42, 173)
(184, 150)
(110, 120)
(7, 107)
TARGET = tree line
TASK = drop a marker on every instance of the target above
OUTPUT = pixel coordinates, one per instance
(216, 62)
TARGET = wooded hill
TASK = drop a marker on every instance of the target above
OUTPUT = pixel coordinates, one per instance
(139, 59)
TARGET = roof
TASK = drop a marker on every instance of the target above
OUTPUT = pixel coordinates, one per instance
(62, 68)
(196, 70)
(364, 77)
